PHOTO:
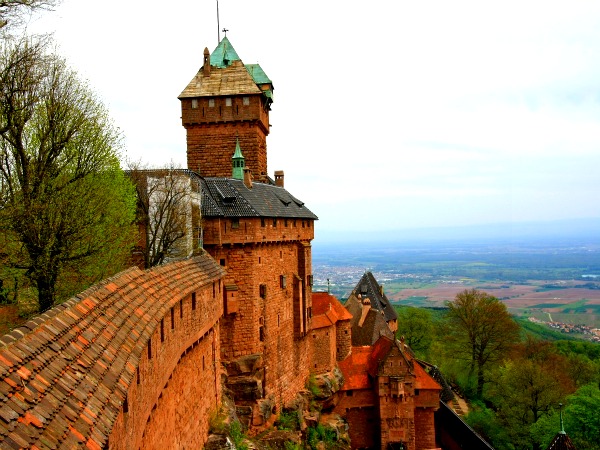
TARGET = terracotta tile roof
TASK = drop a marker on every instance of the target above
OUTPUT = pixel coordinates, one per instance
(327, 310)
(64, 375)
(423, 379)
(354, 368)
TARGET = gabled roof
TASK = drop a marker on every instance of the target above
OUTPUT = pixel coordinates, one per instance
(226, 197)
(64, 375)
(368, 287)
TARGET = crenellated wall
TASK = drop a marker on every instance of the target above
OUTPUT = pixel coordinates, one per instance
(130, 363)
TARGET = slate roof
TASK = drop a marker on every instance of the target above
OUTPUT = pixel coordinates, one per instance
(227, 197)
(65, 374)
(368, 287)
(561, 442)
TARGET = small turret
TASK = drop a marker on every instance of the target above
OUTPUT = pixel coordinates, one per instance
(238, 162)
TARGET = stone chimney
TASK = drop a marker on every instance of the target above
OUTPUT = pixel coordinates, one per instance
(206, 63)
(365, 310)
(279, 178)
(248, 178)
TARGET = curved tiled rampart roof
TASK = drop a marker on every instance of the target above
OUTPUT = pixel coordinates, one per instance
(65, 374)
(227, 197)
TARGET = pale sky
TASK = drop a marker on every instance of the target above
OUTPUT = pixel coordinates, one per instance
(387, 114)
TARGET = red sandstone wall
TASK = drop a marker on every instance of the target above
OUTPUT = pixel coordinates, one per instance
(424, 429)
(212, 131)
(323, 349)
(217, 231)
(343, 339)
(177, 381)
(274, 317)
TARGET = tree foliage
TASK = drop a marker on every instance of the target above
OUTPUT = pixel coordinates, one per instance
(168, 211)
(65, 203)
(479, 330)
(416, 326)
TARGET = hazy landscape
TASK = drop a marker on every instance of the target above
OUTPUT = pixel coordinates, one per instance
(548, 276)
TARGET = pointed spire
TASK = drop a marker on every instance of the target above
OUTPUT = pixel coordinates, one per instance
(238, 162)
(562, 425)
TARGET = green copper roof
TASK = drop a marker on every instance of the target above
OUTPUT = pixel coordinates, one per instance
(258, 75)
(224, 54)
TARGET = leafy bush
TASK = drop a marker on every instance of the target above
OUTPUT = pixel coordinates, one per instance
(323, 434)
(288, 421)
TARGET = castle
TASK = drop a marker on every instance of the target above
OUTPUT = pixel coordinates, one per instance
(138, 361)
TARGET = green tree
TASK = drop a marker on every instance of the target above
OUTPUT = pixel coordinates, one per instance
(416, 326)
(528, 387)
(479, 330)
(64, 201)
(581, 420)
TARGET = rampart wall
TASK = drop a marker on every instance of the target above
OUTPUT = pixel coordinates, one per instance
(130, 363)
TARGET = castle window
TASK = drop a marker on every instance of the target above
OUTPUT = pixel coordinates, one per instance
(262, 289)
(222, 262)
(193, 301)
(274, 223)
(194, 103)
(349, 393)
(181, 309)
(294, 223)
(228, 101)
(261, 334)
(235, 223)
(259, 259)
(303, 224)
(309, 280)
(162, 330)
(172, 317)
(246, 101)
(211, 102)
(125, 406)
(137, 373)
(285, 223)
(262, 222)
(282, 281)
(150, 348)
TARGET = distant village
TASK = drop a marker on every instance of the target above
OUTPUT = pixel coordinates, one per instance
(593, 334)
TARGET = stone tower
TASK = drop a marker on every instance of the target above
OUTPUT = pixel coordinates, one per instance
(256, 230)
(227, 99)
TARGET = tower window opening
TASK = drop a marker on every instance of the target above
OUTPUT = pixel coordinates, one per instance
(246, 101)
(194, 103)
(235, 223)
(193, 300)
(211, 102)
(228, 101)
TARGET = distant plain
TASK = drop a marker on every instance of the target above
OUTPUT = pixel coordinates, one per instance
(549, 278)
